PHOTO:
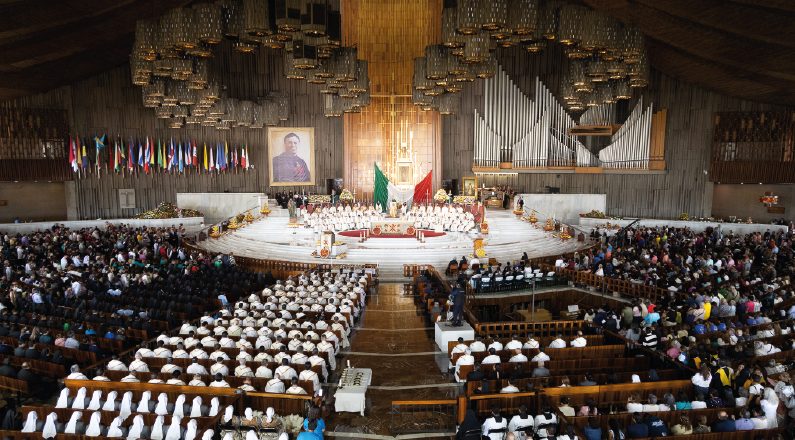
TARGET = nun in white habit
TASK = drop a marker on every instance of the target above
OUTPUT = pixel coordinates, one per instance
(214, 406)
(30, 422)
(157, 429)
(94, 428)
(174, 430)
(95, 402)
(228, 414)
(190, 433)
(143, 405)
(162, 404)
(79, 401)
(179, 406)
(115, 428)
(196, 408)
(208, 434)
(72, 426)
(63, 399)
(137, 428)
(110, 402)
(50, 428)
(125, 409)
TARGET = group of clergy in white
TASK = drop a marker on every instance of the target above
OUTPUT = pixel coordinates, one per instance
(515, 346)
(275, 320)
(359, 217)
(342, 218)
(127, 407)
(449, 218)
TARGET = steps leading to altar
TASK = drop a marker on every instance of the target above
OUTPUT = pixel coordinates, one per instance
(271, 238)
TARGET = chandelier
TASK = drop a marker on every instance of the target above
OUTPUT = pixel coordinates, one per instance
(607, 60)
(169, 60)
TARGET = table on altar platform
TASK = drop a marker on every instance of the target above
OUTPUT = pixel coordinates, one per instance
(350, 395)
(392, 227)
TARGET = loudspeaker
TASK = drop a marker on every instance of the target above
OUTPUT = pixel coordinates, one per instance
(329, 186)
(454, 186)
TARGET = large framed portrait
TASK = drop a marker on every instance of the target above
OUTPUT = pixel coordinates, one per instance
(291, 156)
(469, 186)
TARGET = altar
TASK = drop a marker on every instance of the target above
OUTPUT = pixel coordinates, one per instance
(392, 227)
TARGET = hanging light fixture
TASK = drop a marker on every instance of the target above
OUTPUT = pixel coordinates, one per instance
(362, 80)
(288, 15)
(476, 48)
(436, 62)
(255, 18)
(495, 14)
(145, 38)
(523, 16)
(468, 17)
(314, 18)
(449, 22)
(208, 23)
(622, 90)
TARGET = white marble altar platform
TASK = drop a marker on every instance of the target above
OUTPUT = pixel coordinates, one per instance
(219, 206)
(270, 238)
(564, 207)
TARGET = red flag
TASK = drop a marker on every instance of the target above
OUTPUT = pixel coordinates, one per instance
(195, 155)
(243, 158)
(422, 191)
(72, 155)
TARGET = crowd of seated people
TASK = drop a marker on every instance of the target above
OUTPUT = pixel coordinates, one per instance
(493, 275)
(282, 340)
(76, 296)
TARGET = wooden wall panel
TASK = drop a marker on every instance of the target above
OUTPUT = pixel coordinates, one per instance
(683, 187)
(110, 103)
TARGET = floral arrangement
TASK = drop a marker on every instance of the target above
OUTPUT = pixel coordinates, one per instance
(480, 252)
(215, 232)
(769, 199)
(293, 423)
(440, 196)
(168, 210)
(484, 228)
(249, 217)
(346, 195)
(684, 216)
(533, 219)
(549, 226)
(319, 198)
(233, 223)
(594, 213)
(265, 210)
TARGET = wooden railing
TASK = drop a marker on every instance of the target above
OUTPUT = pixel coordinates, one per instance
(609, 285)
(550, 328)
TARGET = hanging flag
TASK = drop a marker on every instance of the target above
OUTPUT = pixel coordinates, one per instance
(151, 154)
(195, 158)
(226, 155)
(171, 155)
(244, 157)
(72, 155)
(380, 189)
(147, 156)
(140, 155)
(180, 162)
(130, 155)
(248, 159)
(116, 156)
(212, 160)
(423, 191)
(83, 158)
(112, 158)
(99, 144)
(206, 162)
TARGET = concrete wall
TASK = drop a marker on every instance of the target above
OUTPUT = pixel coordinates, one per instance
(32, 201)
(743, 201)
(218, 206)
(192, 224)
(564, 207)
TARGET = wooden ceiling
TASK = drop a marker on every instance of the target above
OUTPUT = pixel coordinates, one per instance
(743, 48)
(49, 43)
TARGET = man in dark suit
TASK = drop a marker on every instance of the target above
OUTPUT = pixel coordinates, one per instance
(20, 350)
(7, 370)
(25, 373)
(31, 352)
(724, 423)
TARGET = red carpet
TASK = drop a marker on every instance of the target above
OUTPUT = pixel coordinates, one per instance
(358, 232)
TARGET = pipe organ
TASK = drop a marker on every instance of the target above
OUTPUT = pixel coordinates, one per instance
(629, 147)
(517, 132)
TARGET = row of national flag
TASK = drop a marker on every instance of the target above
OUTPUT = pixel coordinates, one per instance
(150, 156)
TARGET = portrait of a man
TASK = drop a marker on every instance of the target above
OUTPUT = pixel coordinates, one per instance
(291, 153)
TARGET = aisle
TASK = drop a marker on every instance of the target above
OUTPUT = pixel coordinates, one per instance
(395, 341)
